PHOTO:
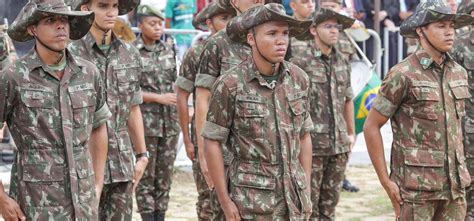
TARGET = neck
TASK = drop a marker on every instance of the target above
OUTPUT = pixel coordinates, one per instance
(299, 17)
(47, 56)
(436, 55)
(323, 47)
(99, 35)
(148, 41)
(263, 66)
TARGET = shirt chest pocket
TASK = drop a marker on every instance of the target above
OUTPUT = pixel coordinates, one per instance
(37, 109)
(83, 103)
(228, 63)
(297, 106)
(460, 90)
(251, 112)
(127, 77)
(426, 100)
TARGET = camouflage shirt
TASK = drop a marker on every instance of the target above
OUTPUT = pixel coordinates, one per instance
(262, 127)
(51, 121)
(6, 48)
(330, 90)
(345, 47)
(426, 104)
(121, 70)
(219, 55)
(158, 76)
(189, 70)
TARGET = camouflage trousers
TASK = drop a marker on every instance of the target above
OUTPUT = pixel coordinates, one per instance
(116, 202)
(203, 205)
(327, 175)
(445, 210)
(468, 126)
(152, 192)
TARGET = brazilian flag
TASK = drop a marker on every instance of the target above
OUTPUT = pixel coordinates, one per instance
(363, 101)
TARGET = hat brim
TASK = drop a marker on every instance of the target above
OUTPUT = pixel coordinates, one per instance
(239, 33)
(124, 6)
(79, 24)
(345, 21)
(212, 10)
(408, 27)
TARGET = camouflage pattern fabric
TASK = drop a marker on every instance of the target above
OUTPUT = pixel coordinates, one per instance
(116, 202)
(326, 178)
(152, 192)
(466, 7)
(188, 72)
(51, 121)
(120, 67)
(449, 210)
(124, 6)
(324, 14)
(330, 90)
(463, 54)
(237, 28)
(262, 126)
(345, 46)
(426, 107)
(158, 76)
(35, 10)
(4, 49)
(211, 10)
(147, 10)
(228, 4)
(430, 11)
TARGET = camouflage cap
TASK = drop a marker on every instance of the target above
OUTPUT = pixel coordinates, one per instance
(124, 6)
(148, 10)
(324, 14)
(430, 11)
(238, 27)
(208, 12)
(335, 1)
(35, 10)
(228, 5)
(466, 7)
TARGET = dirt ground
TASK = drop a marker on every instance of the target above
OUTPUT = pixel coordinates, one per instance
(370, 204)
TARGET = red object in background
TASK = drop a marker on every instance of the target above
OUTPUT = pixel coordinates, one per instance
(202, 3)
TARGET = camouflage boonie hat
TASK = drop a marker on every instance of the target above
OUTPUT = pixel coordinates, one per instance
(148, 10)
(466, 7)
(124, 6)
(430, 11)
(228, 5)
(35, 10)
(208, 12)
(238, 27)
(324, 14)
(335, 1)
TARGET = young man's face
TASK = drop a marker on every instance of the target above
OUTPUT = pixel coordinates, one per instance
(106, 12)
(327, 31)
(331, 5)
(303, 8)
(440, 34)
(218, 22)
(244, 5)
(453, 4)
(271, 38)
(151, 27)
(53, 31)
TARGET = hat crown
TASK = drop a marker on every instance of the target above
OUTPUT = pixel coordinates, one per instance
(466, 6)
(434, 5)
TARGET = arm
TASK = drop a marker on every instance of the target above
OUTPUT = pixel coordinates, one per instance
(9, 208)
(306, 157)
(136, 132)
(165, 99)
(375, 147)
(184, 121)
(98, 149)
(202, 106)
(349, 118)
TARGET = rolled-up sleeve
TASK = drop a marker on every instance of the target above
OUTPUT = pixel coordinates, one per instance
(220, 115)
(391, 94)
(209, 65)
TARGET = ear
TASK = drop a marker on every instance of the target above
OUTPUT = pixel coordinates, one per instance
(31, 30)
(292, 5)
(313, 31)
(84, 7)
(419, 32)
(250, 39)
(209, 24)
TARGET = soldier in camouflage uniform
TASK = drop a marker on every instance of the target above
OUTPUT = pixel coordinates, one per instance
(120, 66)
(463, 54)
(159, 114)
(7, 51)
(332, 109)
(54, 103)
(302, 10)
(259, 109)
(215, 18)
(424, 98)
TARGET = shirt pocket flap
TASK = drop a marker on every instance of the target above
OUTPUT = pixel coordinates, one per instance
(43, 172)
(36, 98)
(319, 75)
(321, 128)
(424, 158)
(460, 89)
(254, 181)
(251, 106)
(425, 91)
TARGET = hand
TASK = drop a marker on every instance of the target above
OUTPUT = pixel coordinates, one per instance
(230, 210)
(382, 15)
(189, 149)
(389, 24)
(357, 24)
(167, 99)
(352, 139)
(205, 170)
(139, 169)
(98, 191)
(405, 15)
(10, 209)
(394, 193)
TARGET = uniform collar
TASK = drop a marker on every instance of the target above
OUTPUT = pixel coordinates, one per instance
(159, 45)
(90, 41)
(253, 73)
(317, 51)
(426, 61)
(33, 61)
